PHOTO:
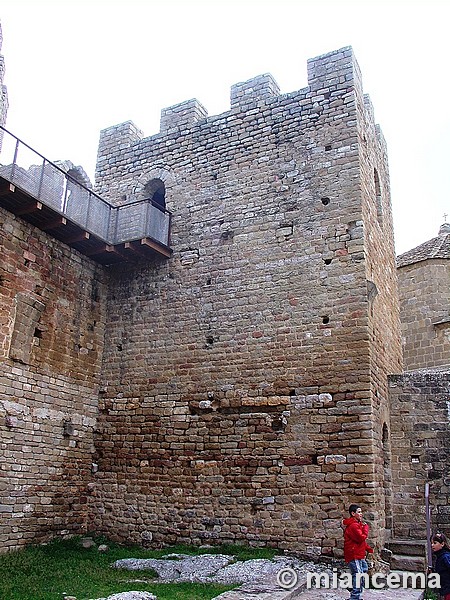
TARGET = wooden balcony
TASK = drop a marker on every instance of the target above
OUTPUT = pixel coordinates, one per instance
(41, 193)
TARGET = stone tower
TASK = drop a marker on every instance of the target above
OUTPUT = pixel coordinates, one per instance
(244, 380)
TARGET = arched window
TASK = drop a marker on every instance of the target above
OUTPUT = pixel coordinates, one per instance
(155, 190)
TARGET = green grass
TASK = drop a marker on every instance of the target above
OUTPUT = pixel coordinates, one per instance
(63, 567)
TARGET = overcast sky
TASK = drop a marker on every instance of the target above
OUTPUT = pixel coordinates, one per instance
(76, 67)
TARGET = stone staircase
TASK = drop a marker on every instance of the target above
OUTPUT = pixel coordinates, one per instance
(406, 555)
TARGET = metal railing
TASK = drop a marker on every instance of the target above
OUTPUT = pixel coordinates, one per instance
(53, 187)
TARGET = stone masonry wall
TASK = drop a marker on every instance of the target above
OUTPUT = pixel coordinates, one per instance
(242, 395)
(51, 340)
(383, 309)
(425, 315)
(420, 451)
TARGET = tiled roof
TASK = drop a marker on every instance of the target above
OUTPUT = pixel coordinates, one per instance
(438, 247)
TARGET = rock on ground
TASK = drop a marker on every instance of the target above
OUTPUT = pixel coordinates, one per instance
(215, 568)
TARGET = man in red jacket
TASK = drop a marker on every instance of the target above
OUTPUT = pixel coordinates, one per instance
(355, 548)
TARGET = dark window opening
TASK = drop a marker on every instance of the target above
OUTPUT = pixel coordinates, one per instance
(68, 428)
(155, 190)
(385, 433)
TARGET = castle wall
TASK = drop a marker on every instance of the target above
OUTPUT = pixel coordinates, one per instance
(425, 315)
(51, 340)
(244, 380)
(420, 451)
(383, 304)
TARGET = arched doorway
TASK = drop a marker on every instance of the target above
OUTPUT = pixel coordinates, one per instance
(155, 190)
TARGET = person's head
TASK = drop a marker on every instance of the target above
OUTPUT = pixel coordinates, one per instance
(438, 541)
(355, 511)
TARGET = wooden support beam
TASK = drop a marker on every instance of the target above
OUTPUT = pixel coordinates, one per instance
(105, 249)
(29, 208)
(54, 224)
(117, 251)
(134, 249)
(155, 246)
(80, 237)
(9, 188)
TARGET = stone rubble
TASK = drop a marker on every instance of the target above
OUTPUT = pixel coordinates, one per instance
(217, 568)
(257, 578)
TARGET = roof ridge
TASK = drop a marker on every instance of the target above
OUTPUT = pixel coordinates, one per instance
(443, 239)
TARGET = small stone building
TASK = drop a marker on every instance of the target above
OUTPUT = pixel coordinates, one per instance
(424, 287)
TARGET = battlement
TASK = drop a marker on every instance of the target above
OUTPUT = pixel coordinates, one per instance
(248, 93)
(182, 115)
(119, 136)
(333, 70)
(327, 74)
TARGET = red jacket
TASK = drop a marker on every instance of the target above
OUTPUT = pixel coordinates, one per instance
(355, 535)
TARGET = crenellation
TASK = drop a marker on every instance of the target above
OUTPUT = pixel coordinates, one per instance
(333, 70)
(179, 117)
(112, 139)
(246, 96)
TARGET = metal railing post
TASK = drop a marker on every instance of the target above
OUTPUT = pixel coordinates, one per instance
(16, 151)
(64, 197)
(147, 218)
(88, 210)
